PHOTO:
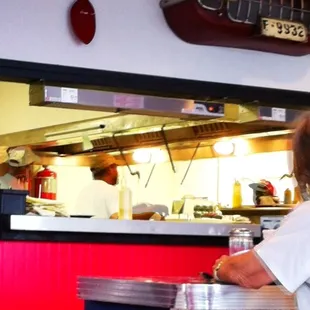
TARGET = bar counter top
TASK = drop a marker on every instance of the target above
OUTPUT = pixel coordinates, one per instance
(58, 224)
(22, 227)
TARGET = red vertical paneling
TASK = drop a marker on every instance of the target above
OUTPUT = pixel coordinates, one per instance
(40, 276)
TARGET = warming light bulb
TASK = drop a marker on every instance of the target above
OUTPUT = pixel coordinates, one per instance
(224, 147)
(142, 156)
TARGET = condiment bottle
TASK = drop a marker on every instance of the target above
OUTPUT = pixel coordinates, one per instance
(237, 195)
(287, 197)
(297, 195)
(125, 202)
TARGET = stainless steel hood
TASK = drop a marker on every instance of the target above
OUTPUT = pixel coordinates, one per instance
(184, 109)
(74, 98)
(141, 121)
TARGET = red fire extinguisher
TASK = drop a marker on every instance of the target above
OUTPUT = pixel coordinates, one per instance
(45, 183)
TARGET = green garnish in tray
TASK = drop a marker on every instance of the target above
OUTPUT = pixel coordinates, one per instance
(206, 212)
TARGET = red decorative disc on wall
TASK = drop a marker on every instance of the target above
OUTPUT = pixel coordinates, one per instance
(83, 20)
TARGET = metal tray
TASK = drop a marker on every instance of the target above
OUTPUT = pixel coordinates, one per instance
(183, 293)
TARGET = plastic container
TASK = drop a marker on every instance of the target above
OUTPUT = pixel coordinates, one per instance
(240, 239)
(125, 202)
(13, 201)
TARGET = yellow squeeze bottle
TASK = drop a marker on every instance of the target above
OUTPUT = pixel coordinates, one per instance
(287, 197)
(125, 202)
(237, 195)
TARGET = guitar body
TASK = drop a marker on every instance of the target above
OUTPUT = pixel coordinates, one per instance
(236, 23)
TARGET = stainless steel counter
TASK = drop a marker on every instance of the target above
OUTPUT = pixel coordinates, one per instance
(178, 293)
(51, 224)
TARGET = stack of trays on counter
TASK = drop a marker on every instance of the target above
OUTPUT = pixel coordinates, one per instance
(45, 207)
(183, 293)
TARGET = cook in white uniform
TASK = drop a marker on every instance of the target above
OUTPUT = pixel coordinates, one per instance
(100, 197)
(15, 163)
(285, 256)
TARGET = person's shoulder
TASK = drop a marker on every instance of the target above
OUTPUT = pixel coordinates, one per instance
(7, 177)
(94, 184)
(298, 218)
(90, 187)
(303, 208)
(99, 187)
(103, 187)
(103, 184)
(111, 188)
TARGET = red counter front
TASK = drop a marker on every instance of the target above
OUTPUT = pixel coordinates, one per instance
(42, 275)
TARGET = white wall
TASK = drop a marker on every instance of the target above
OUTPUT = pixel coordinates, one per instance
(132, 36)
(17, 115)
(70, 181)
(201, 180)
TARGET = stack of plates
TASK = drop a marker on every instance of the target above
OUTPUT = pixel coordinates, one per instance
(183, 293)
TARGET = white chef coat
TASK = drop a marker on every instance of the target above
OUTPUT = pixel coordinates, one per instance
(8, 181)
(98, 199)
(287, 254)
